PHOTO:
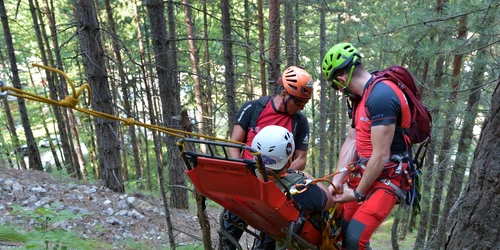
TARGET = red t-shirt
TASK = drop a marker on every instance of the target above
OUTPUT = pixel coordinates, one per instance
(386, 104)
(269, 116)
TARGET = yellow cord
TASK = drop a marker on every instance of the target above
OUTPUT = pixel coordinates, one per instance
(71, 101)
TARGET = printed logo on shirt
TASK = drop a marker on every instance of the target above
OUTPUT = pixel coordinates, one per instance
(364, 119)
(243, 111)
(306, 140)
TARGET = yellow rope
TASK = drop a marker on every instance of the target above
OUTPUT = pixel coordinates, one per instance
(71, 101)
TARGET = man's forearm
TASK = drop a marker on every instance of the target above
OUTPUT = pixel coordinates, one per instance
(372, 171)
(299, 164)
(234, 153)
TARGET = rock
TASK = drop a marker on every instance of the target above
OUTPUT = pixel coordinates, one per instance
(110, 211)
(144, 206)
(17, 189)
(130, 200)
(39, 190)
(122, 212)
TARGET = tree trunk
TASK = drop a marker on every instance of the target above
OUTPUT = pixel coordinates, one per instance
(207, 95)
(228, 64)
(248, 53)
(177, 179)
(440, 169)
(394, 229)
(323, 102)
(274, 45)
(477, 210)
(48, 74)
(333, 104)
(429, 167)
(13, 134)
(193, 56)
(296, 54)
(262, 61)
(288, 19)
(165, 77)
(457, 66)
(33, 154)
(92, 51)
(70, 159)
(125, 89)
(200, 199)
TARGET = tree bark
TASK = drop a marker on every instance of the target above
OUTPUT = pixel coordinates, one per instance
(274, 45)
(477, 208)
(165, 77)
(193, 57)
(207, 95)
(13, 134)
(323, 102)
(262, 61)
(177, 179)
(33, 154)
(248, 52)
(200, 199)
(92, 52)
(228, 64)
(457, 66)
(125, 89)
(70, 159)
(289, 36)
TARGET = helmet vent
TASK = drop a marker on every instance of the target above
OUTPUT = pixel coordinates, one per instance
(258, 146)
(271, 149)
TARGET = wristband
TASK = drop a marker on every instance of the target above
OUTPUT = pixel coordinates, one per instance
(359, 197)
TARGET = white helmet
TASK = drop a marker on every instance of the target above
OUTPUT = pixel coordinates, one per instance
(276, 146)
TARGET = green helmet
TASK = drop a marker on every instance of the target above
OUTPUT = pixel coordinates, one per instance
(338, 57)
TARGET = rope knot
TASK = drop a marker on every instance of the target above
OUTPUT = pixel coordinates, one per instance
(69, 102)
(129, 121)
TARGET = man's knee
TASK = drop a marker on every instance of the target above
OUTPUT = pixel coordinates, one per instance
(352, 237)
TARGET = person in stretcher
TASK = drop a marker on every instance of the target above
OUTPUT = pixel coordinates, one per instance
(276, 145)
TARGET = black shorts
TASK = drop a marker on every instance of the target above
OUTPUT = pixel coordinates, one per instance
(312, 200)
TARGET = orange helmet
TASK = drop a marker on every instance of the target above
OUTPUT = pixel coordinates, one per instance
(297, 82)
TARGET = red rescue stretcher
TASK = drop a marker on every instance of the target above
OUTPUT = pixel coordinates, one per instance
(233, 184)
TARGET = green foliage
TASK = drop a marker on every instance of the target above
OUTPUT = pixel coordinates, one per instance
(44, 238)
(60, 240)
(44, 215)
(8, 234)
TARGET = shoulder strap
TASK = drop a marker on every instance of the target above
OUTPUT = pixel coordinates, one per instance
(295, 122)
(291, 178)
(261, 104)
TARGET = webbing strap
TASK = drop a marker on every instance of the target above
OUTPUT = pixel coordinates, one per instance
(399, 192)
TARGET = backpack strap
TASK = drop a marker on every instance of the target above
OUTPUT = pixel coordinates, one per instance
(261, 104)
(291, 178)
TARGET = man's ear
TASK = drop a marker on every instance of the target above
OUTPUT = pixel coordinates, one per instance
(283, 94)
(343, 78)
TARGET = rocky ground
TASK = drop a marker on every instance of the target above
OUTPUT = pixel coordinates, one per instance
(106, 216)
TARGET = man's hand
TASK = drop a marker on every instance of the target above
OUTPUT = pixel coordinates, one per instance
(346, 196)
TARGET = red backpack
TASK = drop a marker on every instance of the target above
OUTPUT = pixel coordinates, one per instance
(421, 120)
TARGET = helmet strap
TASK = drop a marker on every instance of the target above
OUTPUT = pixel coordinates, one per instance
(285, 104)
(350, 76)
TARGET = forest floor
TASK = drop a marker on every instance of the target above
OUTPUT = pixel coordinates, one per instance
(96, 214)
